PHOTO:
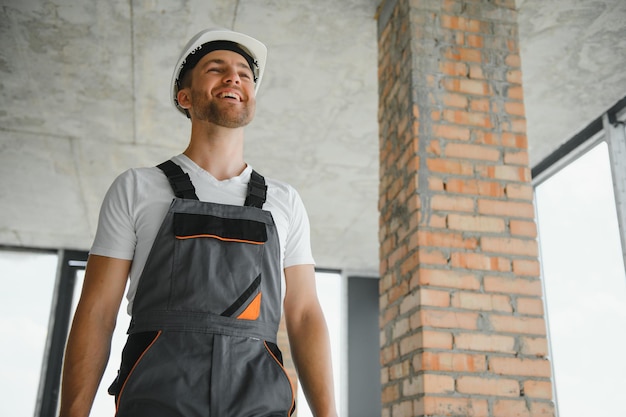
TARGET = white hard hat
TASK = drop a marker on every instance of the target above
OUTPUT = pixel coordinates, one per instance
(255, 50)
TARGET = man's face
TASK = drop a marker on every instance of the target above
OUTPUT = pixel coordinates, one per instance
(222, 90)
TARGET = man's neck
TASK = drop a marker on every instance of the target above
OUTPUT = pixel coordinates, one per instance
(217, 150)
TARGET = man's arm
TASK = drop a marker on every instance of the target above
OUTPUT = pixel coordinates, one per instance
(308, 338)
(89, 342)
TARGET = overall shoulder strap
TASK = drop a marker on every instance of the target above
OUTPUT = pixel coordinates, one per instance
(179, 180)
(257, 191)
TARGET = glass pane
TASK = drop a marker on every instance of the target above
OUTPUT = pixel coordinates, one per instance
(27, 280)
(104, 404)
(330, 291)
(585, 286)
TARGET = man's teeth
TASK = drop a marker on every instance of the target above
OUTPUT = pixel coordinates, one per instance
(229, 95)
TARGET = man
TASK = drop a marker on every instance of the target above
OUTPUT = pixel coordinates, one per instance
(204, 239)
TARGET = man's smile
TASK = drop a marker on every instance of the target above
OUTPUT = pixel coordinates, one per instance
(229, 94)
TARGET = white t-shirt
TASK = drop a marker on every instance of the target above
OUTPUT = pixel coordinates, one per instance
(138, 200)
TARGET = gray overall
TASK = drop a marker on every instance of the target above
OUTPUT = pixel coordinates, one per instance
(202, 339)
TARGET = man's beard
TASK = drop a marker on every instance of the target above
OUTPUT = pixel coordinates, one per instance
(222, 114)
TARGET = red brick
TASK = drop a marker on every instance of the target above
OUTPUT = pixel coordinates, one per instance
(511, 408)
(513, 60)
(481, 302)
(534, 346)
(386, 282)
(399, 328)
(475, 41)
(529, 268)
(452, 203)
(455, 100)
(498, 387)
(514, 324)
(435, 184)
(450, 406)
(467, 86)
(389, 314)
(541, 409)
(516, 158)
(444, 319)
(428, 256)
(450, 362)
(452, 132)
(514, 140)
(504, 172)
(486, 343)
(523, 228)
(436, 339)
(538, 389)
(437, 221)
(467, 151)
(434, 298)
(463, 54)
(514, 76)
(462, 117)
(425, 339)
(391, 393)
(399, 370)
(450, 167)
(447, 279)
(413, 386)
(530, 306)
(480, 105)
(513, 285)
(471, 223)
(478, 261)
(437, 383)
(389, 353)
(519, 367)
(446, 240)
(483, 188)
(519, 191)
(516, 125)
(514, 108)
(397, 292)
(506, 208)
(509, 246)
(404, 408)
(463, 24)
(454, 68)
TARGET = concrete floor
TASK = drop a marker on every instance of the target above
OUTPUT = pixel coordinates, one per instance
(85, 96)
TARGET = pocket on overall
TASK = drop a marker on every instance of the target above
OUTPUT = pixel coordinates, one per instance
(248, 379)
(216, 260)
(136, 347)
(169, 379)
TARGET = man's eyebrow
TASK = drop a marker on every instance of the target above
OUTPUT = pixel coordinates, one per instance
(222, 62)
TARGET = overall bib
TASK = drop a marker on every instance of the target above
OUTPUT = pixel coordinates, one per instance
(202, 338)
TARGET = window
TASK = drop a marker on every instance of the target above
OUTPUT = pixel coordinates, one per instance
(331, 293)
(28, 281)
(585, 286)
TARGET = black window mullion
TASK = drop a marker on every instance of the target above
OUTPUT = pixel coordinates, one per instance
(47, 399)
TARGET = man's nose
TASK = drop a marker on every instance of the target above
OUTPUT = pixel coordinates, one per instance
(232, 76)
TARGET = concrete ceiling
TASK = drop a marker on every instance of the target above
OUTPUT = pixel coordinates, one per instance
(85, 96)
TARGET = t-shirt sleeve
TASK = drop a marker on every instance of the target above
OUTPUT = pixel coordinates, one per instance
(115, 236)
(298, 243)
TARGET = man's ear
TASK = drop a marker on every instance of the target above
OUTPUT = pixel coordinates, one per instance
(183, 97)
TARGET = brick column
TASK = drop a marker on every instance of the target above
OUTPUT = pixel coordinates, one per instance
(462, 319)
